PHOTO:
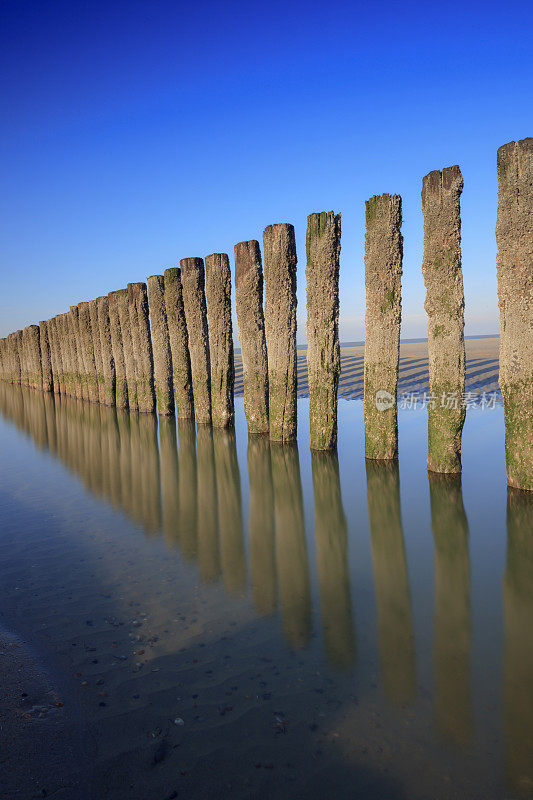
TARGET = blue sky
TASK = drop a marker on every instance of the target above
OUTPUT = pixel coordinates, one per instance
(137, 133)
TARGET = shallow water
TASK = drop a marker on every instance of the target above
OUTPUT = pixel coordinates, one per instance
(230, 619)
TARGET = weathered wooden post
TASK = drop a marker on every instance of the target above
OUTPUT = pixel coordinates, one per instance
(54, 359)
(179, 344)
(383, 280)
(194, 303)
(441, 266)
(218, 296)
(279, 250)
(35, 378)
(6, 359)
(24, 358)
(97, 350)
(123, 308)
(142, 346)
(17, 356)
(117, 348)
(87, 352)
(251, 322)
(46, 361)
(10, 358)
(160, 345)
(331, 537)
(75, 379)
(18, 347)
(106, 350)
(323, 245)
(453, 628)
(57, 327)
(514, 237)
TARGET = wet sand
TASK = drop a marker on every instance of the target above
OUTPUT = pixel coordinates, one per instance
(481, 368)
(42, 748)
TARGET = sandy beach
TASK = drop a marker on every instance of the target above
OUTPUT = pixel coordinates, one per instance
(481, 368)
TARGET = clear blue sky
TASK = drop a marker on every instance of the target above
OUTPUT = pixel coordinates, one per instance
(136, 133)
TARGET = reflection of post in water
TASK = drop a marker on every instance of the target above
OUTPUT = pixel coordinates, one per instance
(150, 480)
(208, 549)
(50, 416)
(187, 488)
(136, 490)
(95, 473)
(291, 546)
(452, 607)
(331, 538)
(113, 454)
(518, 658)
(261, 525)
(125, 459)
(105, 422)
(395, 624)
(168, 454)
(232, 554)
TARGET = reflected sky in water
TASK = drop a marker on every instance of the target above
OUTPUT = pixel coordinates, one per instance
(320, 624)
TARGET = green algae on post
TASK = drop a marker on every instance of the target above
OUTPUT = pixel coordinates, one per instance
(160, 345)
(194, 304)
(218, 297)
(251, 323)
(179, 344)
(383, 275)
(514, 237)
(279, 250)
(443, 278)
(323, 245)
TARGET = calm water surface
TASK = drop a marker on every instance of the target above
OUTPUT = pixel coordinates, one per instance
(233, 619)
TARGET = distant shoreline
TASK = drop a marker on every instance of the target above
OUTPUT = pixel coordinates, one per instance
(402, 341)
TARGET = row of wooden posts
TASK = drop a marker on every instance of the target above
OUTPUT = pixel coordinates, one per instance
(169, 345)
